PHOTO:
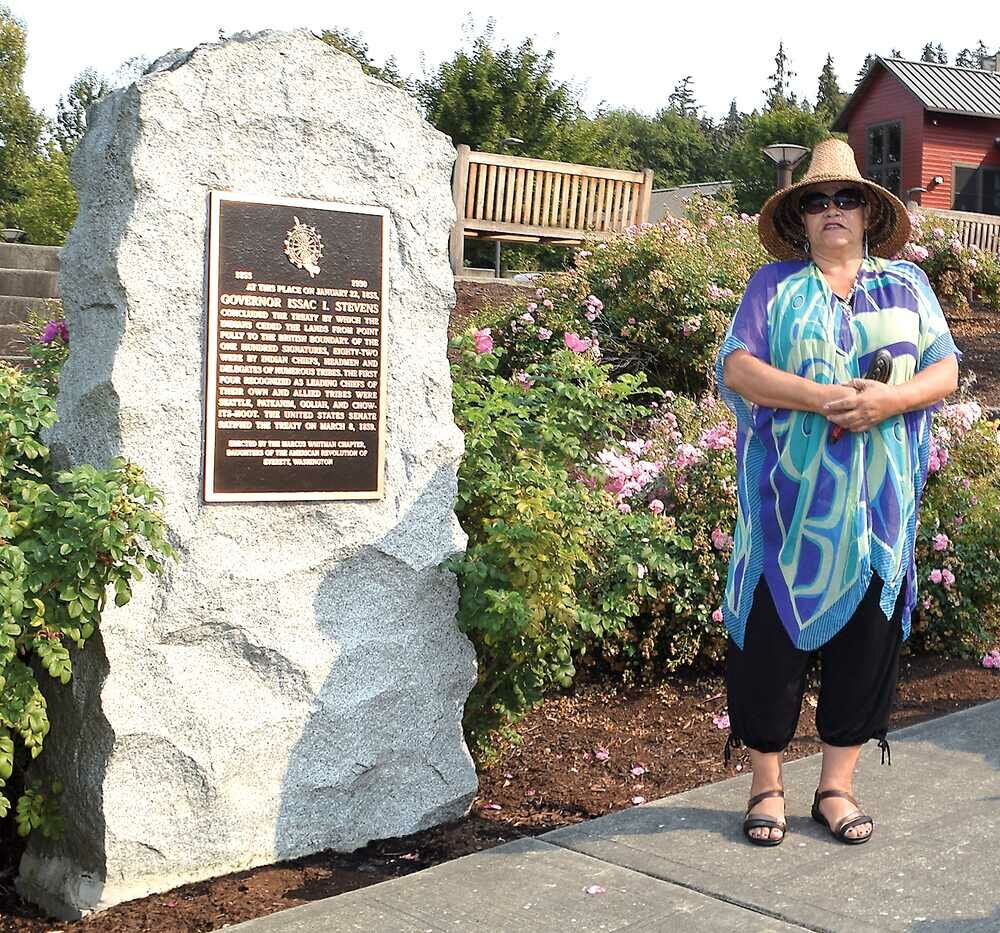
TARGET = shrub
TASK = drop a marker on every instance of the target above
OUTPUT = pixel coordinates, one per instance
(546, 565)
(68, 540)
(955, 271)
(957, 551)
(679, 624)
(669, 290)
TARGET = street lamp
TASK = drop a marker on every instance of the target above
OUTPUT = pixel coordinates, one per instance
(506, 141)
(785, 156)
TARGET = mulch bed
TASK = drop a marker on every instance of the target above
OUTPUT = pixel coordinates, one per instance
(575, 763)
(977, 335)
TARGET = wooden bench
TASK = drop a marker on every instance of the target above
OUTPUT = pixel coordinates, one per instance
(518, 200)
(982, 230)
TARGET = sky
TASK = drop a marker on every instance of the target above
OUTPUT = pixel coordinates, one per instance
(615, 55)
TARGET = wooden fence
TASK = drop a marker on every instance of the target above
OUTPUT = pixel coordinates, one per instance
(982, 230)
(504, 197)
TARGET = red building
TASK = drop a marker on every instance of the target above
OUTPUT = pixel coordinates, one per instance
(921, 125)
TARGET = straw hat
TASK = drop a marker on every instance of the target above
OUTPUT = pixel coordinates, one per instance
(780, 224)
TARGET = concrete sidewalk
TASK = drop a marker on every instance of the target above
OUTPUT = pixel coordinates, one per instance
(681, 863)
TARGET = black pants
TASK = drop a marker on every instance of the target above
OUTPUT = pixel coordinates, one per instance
(765, 682)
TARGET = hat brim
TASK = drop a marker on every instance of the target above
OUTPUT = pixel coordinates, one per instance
(783, 234)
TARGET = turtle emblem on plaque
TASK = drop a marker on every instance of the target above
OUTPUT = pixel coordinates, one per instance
(304, 247)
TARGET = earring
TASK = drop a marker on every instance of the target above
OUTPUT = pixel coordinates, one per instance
(806, 247)
(866, 245)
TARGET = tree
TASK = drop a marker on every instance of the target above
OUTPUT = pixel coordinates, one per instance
(778, 93)
(675, 147)
(357, 48)
(682, 100)
(753, 174)
(928, 53)
(865, 66)
(482, 95)
(20, 126)
(829, 98)
(941, 55)
(973, 58)
(722, 136)
(71, 111)
(48, 205)
(733, 124)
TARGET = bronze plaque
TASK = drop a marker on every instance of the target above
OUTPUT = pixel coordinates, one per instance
(295, 376)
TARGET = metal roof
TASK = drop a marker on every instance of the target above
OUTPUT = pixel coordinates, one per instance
(970, 92)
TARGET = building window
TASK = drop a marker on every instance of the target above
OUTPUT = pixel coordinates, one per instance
(977, 189)
(883, 155)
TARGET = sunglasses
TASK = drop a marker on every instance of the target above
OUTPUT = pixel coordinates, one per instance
(847, 199)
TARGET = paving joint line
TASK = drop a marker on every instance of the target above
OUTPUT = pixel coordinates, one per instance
(774, 915)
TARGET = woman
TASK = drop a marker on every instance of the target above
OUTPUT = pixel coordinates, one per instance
(823, 555)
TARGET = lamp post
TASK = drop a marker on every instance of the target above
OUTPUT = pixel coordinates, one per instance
(506, 141)
(785, 156)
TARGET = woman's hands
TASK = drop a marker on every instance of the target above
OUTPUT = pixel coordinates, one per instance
(869, 405)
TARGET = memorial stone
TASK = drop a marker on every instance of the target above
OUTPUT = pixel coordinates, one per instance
(297, 679)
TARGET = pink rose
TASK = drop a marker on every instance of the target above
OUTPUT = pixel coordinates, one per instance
(575, 343)
(484, 342)
(935, 575)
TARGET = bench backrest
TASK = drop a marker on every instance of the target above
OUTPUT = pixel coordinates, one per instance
(506, 196)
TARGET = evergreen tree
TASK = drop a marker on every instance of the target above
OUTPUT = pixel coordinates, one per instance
(980, 54)
(829, 98)
(71, 111)
(778, 93)
(928, 53)
(722, 136)
(895, 53)
(734, 120)
(682, 99)
(942, 56)
(863, 70)
(966, 59)
(754, 176)
(482, 95)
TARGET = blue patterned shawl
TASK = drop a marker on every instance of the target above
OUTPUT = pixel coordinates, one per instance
(817, 517)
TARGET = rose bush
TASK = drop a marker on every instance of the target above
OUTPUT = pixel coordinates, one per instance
(551, 563)
(958, 556)
(954, 270)
(69, 541)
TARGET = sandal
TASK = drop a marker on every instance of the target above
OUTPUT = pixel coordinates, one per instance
(752, 822)
(853, 818)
